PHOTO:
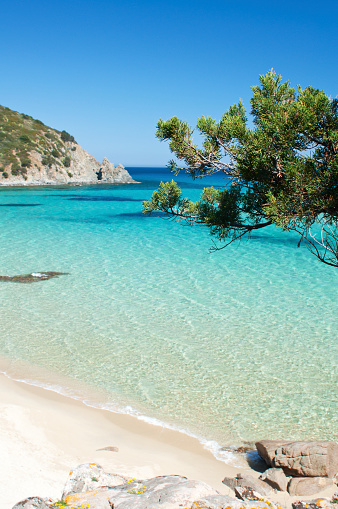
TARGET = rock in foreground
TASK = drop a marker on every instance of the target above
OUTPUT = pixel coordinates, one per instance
(301, 468)
(88, 486)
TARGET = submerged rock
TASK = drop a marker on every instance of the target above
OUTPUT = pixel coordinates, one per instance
(33, 277)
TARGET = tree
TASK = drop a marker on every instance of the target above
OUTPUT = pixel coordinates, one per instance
(283, 170)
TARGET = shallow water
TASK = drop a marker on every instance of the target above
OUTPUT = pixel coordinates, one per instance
(232, 346)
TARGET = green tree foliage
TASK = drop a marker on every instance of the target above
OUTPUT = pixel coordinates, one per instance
(283, 170)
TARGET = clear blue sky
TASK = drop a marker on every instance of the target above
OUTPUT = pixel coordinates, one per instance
(107, 70)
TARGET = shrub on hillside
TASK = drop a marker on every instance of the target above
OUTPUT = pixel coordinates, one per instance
(67, 137)
(66, 161)
(24, 138)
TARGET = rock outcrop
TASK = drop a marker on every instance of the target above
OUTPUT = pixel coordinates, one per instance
(301, 468)
(89, 486)
(33, 154)
(83, 169)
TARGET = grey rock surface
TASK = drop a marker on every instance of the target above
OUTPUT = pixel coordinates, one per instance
(33, 503)
(246, 493)
(318, 503)
(308, 459)
(89, 477)
(249, 481)
(305, 486)
(276, 478)
(223, 501)
(165, 492)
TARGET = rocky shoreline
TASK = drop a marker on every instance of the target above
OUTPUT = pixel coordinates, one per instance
(301, 468)
(33, 154)
(83, 169)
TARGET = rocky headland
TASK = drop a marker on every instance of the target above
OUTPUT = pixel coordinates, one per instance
(301, 468)
(33, 154)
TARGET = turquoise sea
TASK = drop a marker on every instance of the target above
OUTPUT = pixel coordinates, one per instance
(232, 346)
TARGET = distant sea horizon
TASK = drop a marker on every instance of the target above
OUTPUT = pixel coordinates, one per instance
(231, 346)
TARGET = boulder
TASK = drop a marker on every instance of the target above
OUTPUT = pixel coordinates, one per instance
(308, 459)
(267, 449)
(246, 481)
(165, 492)
(245, 493)
(34, 503)
(318, 503)
(308, 485)
(223, 501)
(275, 478)
(90, 499)
(89, 477)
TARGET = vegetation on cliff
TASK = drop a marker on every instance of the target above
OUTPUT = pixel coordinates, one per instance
(21, 134)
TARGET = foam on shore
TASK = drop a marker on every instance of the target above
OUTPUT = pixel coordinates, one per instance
(46, 434)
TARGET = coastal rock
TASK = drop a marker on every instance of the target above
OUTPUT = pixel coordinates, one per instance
(247, 481)
(318, 503)
(97, 499)
(83, 169)
(246, 493)
(305, 486)
(276, 478)
(168, 492)
(34, 503)
(89, 477)
(302, 459)
(35, 154)
(223, 501)
(308, 459)
(267, 449)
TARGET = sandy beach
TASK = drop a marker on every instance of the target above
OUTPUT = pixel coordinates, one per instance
(44, 435)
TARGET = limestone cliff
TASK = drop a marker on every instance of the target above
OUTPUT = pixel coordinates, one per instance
(33, 154)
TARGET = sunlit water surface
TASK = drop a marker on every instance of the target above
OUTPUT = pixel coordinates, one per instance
(232, 346)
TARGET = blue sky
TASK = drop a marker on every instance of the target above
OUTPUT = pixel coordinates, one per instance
(106, 71)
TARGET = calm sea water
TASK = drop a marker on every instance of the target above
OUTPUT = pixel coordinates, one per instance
(233, 346)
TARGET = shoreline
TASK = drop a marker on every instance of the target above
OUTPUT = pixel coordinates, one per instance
(45, 434)
(93, 397)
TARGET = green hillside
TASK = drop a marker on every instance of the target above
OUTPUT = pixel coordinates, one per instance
(20, 134)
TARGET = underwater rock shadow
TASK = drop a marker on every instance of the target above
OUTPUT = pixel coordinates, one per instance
(138, 215)
(102, 198)
(274, 240)
(20, 204)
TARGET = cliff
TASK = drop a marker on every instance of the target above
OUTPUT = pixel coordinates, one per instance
(33, 154)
